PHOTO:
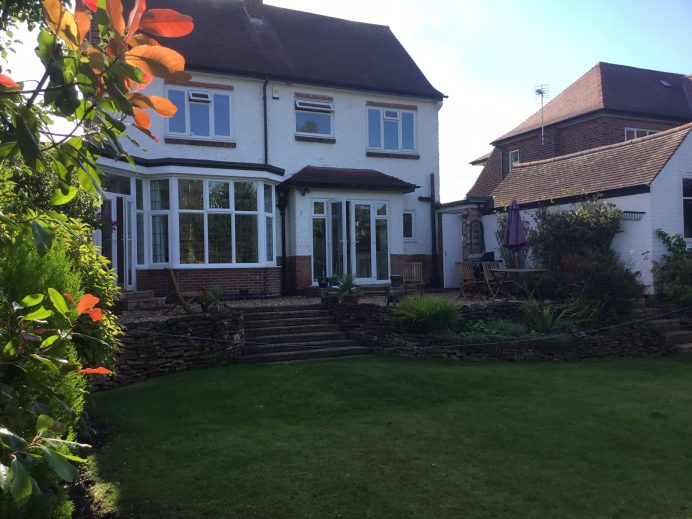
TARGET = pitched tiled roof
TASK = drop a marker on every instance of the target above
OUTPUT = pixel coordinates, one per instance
(481, 160)
(490, 177)
(369, 179)
(295, 46)
(619, 166)
(619, 88)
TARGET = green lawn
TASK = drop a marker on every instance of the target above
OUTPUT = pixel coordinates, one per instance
(377, 437)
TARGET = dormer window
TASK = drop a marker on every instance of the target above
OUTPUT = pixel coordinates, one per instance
(314, 118)
(204, 114)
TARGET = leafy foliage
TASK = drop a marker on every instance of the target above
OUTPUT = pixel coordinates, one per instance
(673, 272)
(419, 314)
(574, 246)
(346, 283)
(541, 318)
(47, 182)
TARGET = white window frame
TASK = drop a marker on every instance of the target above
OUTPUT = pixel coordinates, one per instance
(399, 117)
(639, 132)
(413, 226)
(311, 106)
(211, 93)
(149, 225)
(513, 162)
(682, 186)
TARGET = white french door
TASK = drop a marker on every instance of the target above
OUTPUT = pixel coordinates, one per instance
(356, 239)
(117, 215)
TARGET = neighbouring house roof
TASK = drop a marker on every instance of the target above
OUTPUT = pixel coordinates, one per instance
(618, 88)
(345, 178)
(629, 164)
(490, 176)
(290, 45)
(481, 160)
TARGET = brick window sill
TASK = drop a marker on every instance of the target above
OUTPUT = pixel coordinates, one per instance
(200, 142)
(384, 155)
(321, 140)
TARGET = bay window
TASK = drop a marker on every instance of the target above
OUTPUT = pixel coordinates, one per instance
(201, 113)
(391, 129)
(210, 222)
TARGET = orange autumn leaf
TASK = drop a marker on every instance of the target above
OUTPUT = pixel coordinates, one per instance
(7, 82)
(62, 22)
(86, 302)
(91, 4)
(142, 119)
(114, 8)
(96, 371)
(96, 314)
(131, 84)
(134, 18)
(143, 39)
(69, 296)
(160, 105)
(83, 20)
(167, 23)
(158, 61)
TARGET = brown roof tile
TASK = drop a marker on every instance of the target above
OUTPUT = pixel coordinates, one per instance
(296, 46)
(490, 177)
(599, 170)
(620, 88)
(345, 178)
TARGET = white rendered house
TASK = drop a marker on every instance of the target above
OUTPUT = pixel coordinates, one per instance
(304, 146)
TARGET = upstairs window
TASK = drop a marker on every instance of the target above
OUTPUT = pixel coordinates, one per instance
(513, 159)
(201, 114)
(314, 117)
(391, 130)
(635, 133)
(687, 206)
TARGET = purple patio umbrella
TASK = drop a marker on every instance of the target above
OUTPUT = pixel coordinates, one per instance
(515, 236)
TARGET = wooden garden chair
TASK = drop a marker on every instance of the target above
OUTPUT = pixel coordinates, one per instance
(489, 277)
(412, 273)
(467, 278)
(182, 298)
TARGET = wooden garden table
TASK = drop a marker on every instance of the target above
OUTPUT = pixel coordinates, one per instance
(502, 275)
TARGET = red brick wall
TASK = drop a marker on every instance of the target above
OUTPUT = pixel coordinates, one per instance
(474, 214)
(232, 282)
(299, 273)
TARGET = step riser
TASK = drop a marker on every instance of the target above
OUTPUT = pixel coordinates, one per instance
(684, 348)
(678, 338)
(283, 357)
(296, 339)
(282, 348)
(665, 325)
(136, 296)
(264, 323)
(276, 331)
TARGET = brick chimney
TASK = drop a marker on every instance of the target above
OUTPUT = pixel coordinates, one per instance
(253, 9)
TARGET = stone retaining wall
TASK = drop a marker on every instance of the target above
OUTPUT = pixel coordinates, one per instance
(372, 325)
(153, 348)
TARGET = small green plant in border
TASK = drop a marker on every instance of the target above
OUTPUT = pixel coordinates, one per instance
(673, 272)
(346, 283)
(420, 314)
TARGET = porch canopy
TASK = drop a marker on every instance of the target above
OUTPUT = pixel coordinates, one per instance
(361, 179)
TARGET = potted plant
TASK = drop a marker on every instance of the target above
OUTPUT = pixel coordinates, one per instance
(209, 299)
(346, 284)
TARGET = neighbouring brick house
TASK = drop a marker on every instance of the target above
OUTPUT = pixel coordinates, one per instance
(610, 104)
(607, 105)
(302, 147)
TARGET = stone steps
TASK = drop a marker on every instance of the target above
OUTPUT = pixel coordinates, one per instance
(268, 331)
(279, 323)
(665, 325)
(683, 348)
(316, 336)
(282, 334)
(678, 337)
(288, 356)
(297, 346)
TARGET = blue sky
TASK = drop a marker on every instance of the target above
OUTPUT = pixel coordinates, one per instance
(487, 56)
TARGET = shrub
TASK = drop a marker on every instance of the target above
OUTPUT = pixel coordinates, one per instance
(420, 314)
(541, 318)
(574, 246)
(481, 332)
(673, 273)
